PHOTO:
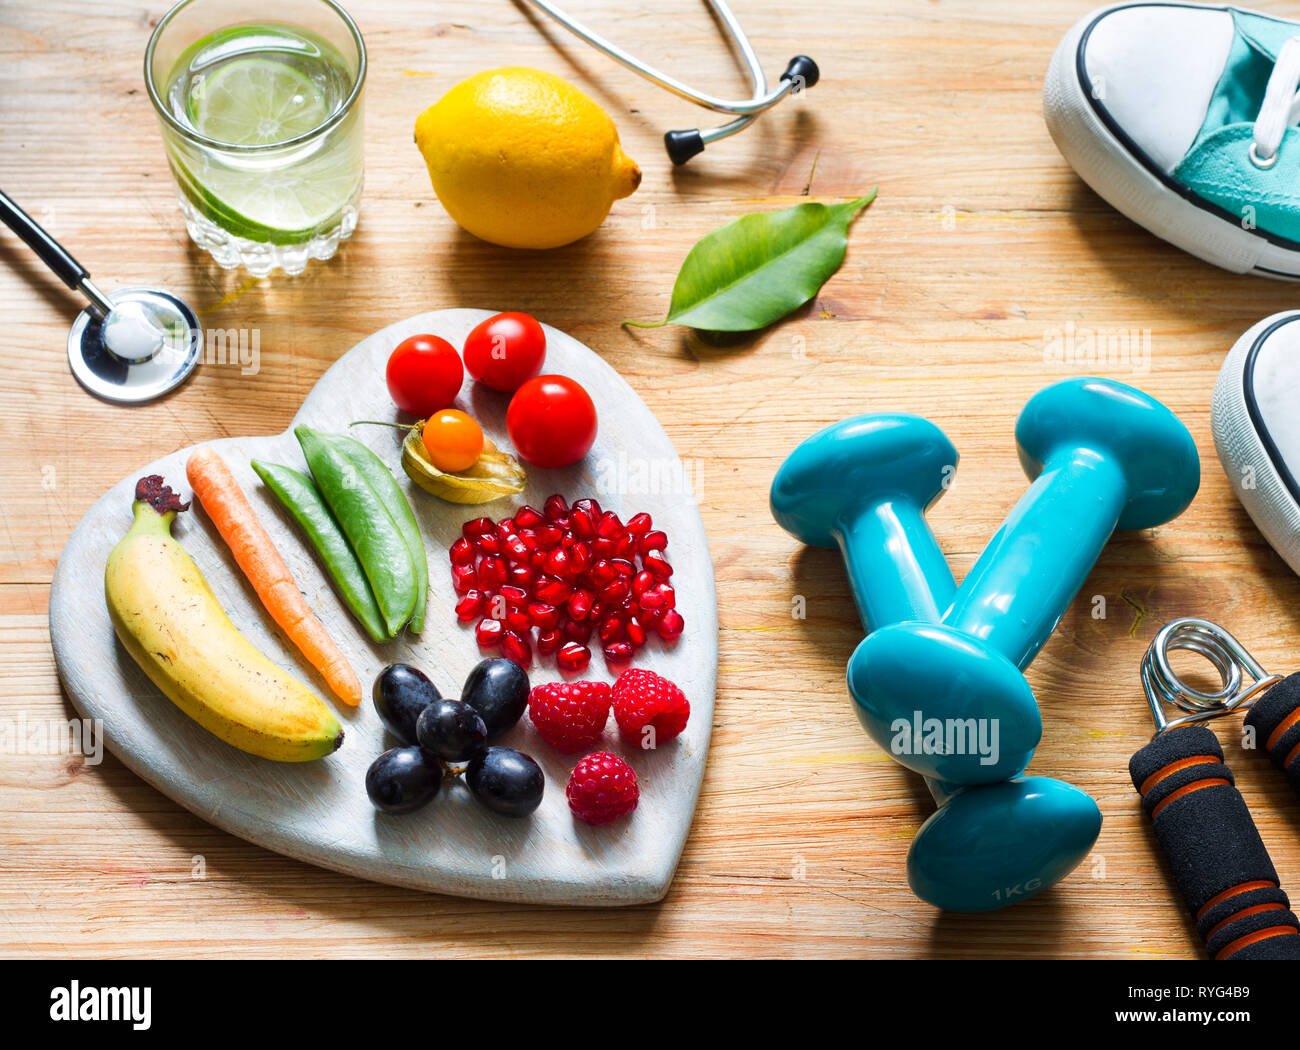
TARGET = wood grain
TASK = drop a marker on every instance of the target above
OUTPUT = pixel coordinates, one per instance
(981, 244)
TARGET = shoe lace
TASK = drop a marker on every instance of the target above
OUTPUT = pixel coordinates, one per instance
(1281, 106)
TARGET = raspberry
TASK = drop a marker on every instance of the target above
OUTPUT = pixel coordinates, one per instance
(643, 698)
(602, 788)
(570, 716)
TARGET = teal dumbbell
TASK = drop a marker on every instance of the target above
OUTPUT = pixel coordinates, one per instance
(1102, 455)
(863, 485)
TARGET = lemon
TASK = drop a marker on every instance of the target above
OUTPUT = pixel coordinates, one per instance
(524, 159)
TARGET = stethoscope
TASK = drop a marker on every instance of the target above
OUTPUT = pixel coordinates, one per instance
(131, 346)
(801, 73)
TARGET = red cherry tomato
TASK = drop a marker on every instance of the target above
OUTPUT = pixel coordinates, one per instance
(551, 421)
(424, 374)
(506, 351)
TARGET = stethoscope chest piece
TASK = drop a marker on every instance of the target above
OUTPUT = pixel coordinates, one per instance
(147, 346)
(134, 345)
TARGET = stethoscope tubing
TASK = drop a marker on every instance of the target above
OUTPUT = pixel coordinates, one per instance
(52, 254)
(762, 99)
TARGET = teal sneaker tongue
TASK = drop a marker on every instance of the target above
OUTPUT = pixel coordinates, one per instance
(1266, 35)
(1219, 168)
(1240, 91)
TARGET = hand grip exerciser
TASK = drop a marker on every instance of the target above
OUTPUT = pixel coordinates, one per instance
(1218, 860)
(938, 680)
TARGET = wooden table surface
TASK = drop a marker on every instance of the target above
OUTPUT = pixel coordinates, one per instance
(983, 245)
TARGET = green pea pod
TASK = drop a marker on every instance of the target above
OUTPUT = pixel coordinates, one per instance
(298, 495)
(381, 479)
(368, 525)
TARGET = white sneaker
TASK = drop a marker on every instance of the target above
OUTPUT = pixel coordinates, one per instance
(1257, 428)
(1183, 117)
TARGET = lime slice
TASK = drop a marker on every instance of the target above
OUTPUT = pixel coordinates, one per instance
(256, 101)
(285, 207)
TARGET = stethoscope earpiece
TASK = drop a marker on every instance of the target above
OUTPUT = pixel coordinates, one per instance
(803, 72)
(683, 145)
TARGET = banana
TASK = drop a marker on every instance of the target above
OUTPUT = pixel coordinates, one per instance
(172, 624)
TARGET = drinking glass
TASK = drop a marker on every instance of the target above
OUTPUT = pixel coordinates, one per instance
(260, 105)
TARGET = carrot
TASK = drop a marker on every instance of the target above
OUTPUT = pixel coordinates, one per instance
(261, 563)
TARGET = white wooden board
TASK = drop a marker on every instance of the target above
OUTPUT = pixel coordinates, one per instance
(318, 811)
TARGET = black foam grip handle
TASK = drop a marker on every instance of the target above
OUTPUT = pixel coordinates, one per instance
(1275, 719)
(1218, 860)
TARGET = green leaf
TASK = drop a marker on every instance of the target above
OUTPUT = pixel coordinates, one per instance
(757, 268)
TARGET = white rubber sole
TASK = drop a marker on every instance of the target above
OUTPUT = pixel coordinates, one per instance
(1246, 459)
(1121, 179)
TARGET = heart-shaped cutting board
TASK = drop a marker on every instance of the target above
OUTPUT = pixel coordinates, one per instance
(318, 811)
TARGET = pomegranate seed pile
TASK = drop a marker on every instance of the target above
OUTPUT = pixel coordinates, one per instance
(570, 573)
